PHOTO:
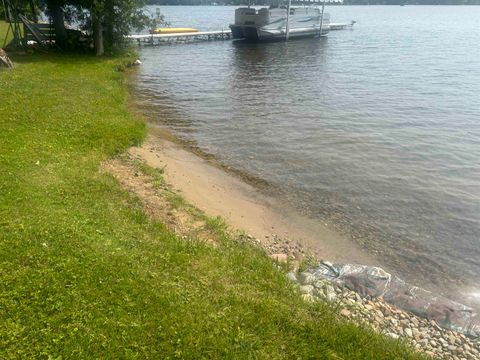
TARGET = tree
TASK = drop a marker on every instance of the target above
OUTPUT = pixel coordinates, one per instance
(55, 10)
(110, 20)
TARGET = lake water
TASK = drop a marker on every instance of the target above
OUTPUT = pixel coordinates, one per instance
(375, 130)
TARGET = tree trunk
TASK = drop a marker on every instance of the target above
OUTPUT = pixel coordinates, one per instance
(56, 12)
(109, 20)
(98, 35)
(34, 13)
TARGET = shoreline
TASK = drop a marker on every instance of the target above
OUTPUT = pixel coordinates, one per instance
(205, 186)
(278, 226)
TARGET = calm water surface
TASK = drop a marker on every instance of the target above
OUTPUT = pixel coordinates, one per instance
(375, 130)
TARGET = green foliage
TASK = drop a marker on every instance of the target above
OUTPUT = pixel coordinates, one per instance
(120, 18)
(85, 274)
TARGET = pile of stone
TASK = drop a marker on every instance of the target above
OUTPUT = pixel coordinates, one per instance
(422, 334)
(363, 302)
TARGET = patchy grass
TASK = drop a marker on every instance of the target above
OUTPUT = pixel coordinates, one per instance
(84, 273)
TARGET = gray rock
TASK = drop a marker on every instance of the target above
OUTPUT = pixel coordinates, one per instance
(307, 289)
(330, 294)
(306, 278)
(292, 277)
(408, 332)
(393, 335)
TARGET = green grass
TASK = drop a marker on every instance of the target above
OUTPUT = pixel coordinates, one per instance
(84, 273)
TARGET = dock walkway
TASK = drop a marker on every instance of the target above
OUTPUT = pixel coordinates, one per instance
(159, 39)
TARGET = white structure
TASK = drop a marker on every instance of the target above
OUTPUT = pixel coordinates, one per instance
(280, 23)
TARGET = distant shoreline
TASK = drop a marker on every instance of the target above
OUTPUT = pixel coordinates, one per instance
(477, 3)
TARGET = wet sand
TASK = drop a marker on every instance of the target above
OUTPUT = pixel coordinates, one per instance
(206, 185)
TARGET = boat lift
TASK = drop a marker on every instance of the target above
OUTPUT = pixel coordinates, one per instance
(175, 38)
(336, 26)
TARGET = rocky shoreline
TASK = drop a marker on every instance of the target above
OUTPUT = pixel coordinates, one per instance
(422, 334)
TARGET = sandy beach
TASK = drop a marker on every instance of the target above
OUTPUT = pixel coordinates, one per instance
(208, 187)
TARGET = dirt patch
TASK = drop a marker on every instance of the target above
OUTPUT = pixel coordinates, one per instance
(158, 199)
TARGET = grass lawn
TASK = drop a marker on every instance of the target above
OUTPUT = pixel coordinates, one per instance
(84, 273)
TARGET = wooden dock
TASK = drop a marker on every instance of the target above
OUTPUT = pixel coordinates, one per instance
(160, 39)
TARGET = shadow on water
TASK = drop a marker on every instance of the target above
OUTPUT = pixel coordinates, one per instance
(261, 74)
(287, 52)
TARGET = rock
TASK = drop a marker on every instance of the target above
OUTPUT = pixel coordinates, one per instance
(281, 258)
(350, 302)
(292, 277)
(306, 278)
(345, 312)
(137, 62)
(408, 332)
(320, 284)
(387, 312)
(307, 289)
(330, 294)
(393, 335)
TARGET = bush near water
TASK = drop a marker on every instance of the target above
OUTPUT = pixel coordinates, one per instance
(85, 273)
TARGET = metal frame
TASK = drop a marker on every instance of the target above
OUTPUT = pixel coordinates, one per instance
(287, 29)
(12, 17)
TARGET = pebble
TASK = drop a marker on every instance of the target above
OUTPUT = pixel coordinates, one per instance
(307, 289)
(422, 335)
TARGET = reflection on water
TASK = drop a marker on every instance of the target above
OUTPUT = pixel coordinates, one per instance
(375, 130)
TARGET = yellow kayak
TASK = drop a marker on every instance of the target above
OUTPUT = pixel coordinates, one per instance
(172, 30)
